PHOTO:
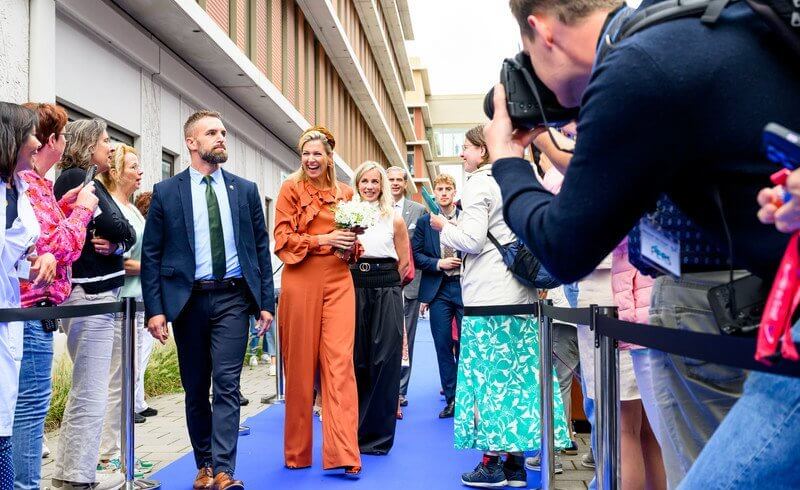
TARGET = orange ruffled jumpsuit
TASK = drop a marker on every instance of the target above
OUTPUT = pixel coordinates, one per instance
(317, 327)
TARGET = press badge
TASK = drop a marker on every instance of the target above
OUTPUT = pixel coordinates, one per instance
(659, 250)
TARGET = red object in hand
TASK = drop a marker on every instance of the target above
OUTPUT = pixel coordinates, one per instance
(775, 330)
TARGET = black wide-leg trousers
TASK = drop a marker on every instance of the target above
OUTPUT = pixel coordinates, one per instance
(377, 355)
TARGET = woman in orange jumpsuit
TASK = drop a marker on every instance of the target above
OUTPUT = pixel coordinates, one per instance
(317, 309)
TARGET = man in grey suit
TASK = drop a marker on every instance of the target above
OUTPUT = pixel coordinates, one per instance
(411, 211)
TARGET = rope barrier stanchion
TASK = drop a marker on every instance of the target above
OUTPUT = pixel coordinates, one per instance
(547, 452)
(129, 370)
(280, 390)
(128, 388)
(607, 423)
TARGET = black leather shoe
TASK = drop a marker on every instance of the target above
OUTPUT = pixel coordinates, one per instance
(448, 411)
(243, 402)
(149, 412)
(403, 401)
(139, 419)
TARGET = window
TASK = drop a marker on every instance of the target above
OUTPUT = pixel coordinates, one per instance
(268, 213)
(411, 114)
(115, 135)
(167, 165)
(449, 141)
(410, 159)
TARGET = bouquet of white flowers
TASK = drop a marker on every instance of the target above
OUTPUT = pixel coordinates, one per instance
(356, 216)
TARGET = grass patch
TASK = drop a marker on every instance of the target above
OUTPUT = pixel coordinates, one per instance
(161, 377)
(62, 382)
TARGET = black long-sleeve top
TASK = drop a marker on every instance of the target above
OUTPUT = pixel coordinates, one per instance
(95, 272)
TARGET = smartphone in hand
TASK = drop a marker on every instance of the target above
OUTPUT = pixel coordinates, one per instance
(90, 173)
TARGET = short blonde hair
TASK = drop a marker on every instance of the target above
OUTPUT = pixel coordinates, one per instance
(120, 152)
(444, 179)
(385, 201)
(317, 133)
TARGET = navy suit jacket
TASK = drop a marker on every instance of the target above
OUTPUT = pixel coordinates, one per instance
(168, 258)
(427, 251)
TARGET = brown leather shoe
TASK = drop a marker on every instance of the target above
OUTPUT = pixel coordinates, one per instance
(204, 479)
(225, 481)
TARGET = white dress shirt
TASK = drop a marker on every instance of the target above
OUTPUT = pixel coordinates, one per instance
(202, 236)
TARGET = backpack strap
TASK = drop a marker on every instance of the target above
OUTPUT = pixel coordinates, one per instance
(661, 12)
(495, 242)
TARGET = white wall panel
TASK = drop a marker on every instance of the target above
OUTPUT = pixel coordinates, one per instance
(97, 79)
(14, 50)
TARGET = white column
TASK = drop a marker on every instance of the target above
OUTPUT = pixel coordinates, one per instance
(42, 59)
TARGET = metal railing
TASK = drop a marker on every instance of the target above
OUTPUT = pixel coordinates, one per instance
(608, 331)
(127, 306)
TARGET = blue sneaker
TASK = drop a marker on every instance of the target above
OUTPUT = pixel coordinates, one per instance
(485, 475)
(516, 477)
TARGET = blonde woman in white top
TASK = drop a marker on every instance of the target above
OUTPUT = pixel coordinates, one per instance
(497, 390)
(379, 313)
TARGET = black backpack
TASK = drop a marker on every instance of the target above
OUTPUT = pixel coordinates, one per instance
(783, 17)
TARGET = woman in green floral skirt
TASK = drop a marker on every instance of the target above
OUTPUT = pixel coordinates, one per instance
(497, 391)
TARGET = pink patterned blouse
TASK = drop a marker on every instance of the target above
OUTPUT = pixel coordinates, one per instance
(61, 236)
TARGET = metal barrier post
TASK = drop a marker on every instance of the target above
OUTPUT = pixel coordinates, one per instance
(606, 406)
(129, 372)
(279, 381)
(547, 450)
(128, 390)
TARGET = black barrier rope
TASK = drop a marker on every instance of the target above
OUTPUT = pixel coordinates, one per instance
(578, 316)
(52, 312)
(719, 349)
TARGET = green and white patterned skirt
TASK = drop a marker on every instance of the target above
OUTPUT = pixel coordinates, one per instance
(497, 395)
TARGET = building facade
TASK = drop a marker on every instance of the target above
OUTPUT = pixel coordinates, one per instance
(272, 68)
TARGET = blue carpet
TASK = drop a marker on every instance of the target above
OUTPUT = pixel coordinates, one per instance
(423, 456)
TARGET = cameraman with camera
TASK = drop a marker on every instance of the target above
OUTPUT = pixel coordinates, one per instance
(675, 109)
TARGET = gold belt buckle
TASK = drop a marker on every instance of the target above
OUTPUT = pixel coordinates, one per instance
(364, 266)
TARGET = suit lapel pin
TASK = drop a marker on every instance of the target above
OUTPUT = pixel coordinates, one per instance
(231, 187)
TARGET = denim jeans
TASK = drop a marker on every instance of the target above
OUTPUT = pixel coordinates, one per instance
(758, 443)
(267, 344)
(32, 405)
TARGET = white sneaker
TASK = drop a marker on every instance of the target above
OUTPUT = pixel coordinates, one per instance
(264, 357)
(253, 361)
(109, 481)
(273, 371)
(45, 450)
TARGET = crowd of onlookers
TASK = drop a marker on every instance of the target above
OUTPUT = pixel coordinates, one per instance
(75, 241)
(661, 149)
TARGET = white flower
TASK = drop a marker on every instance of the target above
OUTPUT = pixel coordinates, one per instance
(355, 213)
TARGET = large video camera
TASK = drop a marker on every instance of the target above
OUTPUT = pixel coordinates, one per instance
(530, 103)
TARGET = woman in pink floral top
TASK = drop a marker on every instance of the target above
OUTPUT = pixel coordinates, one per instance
(63, 231)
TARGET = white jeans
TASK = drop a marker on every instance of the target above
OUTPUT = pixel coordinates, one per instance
(144, 347)
(89, 343)
(110, 441)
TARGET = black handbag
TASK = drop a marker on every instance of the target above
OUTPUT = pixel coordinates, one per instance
(524, 266)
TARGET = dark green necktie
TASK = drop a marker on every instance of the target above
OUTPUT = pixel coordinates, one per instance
(218, 262)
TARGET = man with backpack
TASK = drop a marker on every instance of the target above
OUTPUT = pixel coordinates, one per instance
(674, 109)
